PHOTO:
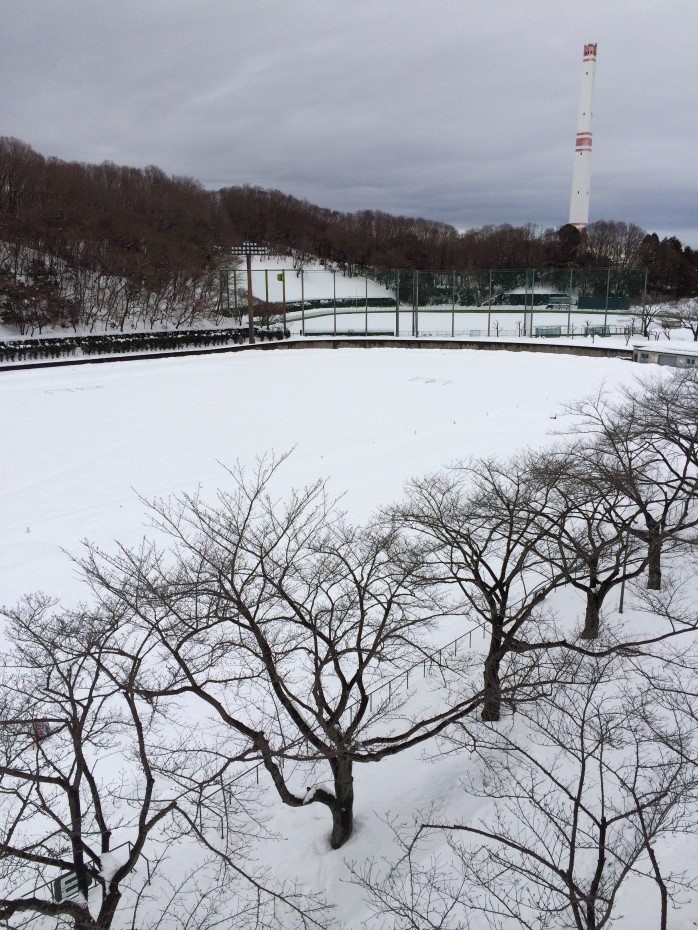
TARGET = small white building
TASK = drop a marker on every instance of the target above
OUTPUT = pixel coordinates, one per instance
(676, 356)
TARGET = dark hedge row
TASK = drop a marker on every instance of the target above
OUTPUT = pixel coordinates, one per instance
(17, 350)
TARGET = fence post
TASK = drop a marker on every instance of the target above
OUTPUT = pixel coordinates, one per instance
(415, 303)
(397, 302)
(489, 308)
(523, 332)
(569, 305)
(266, 294)
(366, 308)
(608, 289)
(453, 304)
(283, 294)
(334, 302)
(644, 297)
(302, 304)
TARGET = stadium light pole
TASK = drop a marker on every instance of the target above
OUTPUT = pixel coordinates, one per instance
(248, 249)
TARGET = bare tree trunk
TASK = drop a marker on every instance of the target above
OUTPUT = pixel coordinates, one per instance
(595, 596)
(592, 615)
(663, 895)
(654, 555)
(593, 896)
(343, 808)
(492, 706)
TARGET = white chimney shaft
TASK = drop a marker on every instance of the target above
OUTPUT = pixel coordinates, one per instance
(581, 177)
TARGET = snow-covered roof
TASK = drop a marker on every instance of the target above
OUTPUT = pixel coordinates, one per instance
(664, 348)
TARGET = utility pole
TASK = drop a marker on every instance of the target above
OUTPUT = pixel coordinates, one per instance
(248, 249)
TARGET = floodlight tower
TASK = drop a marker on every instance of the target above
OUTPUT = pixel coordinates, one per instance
(581, 177)
(248, 249)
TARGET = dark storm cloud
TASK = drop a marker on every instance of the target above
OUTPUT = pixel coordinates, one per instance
(460, 110)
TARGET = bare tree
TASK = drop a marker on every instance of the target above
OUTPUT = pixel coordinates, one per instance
(65, 807)
(614, 243)
(668, 323)
(685, 314)
(647, 313)
(621, 445)
(482, 523)
(90, 800)
(588, 526)
(667, 407)
(581, 796)
(285, 620)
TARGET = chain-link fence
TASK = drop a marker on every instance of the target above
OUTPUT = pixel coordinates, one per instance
(519, 302)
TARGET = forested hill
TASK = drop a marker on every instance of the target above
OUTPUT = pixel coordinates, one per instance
(158, 235)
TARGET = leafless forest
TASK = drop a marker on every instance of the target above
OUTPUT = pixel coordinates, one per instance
(100, 246)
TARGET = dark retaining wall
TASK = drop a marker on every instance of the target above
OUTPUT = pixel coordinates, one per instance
(363, 342)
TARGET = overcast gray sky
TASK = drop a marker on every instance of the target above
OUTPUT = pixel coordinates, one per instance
(458, 110)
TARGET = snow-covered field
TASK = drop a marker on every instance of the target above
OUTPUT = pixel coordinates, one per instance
(81, 444)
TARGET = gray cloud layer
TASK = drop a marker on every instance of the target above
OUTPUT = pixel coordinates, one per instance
(459, 110)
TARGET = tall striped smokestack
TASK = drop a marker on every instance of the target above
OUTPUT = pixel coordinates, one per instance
(581, 177)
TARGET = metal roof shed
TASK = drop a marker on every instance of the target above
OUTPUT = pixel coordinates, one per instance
(684, 356)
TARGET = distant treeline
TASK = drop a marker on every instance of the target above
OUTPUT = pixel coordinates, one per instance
(99, 246)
